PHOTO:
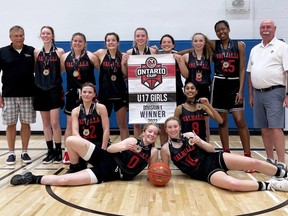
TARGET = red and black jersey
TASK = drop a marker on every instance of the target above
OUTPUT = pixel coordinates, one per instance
(91, 122)
(199, 70)
(193, 121)
(226, 61)
(187, 158)
(49, 62)
(111, 80)
(196, 162)
(147, 51)
(132, 163)
(79, 71)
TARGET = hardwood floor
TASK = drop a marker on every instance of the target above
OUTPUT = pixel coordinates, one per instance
(182, 195)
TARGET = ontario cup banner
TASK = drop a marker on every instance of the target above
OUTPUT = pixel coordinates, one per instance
(151, 87)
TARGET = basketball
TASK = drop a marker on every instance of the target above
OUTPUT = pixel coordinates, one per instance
(159, 173)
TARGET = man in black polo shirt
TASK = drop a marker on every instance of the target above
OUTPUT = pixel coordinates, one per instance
(16, 101)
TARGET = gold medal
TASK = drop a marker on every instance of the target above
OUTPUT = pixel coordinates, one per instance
(86, 132)
(225, 64)
(46, 72)
(190, 141)
(75, 73)
(199, 76)
(138, 149)
(198, 106)
(113, 77)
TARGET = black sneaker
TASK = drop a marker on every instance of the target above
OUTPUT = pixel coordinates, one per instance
(22, 179)
(11, 159)
(25, 158)
(73, 168)
(57, 156)
(49, 157)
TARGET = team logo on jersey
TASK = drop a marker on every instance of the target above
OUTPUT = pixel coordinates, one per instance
(151, 73)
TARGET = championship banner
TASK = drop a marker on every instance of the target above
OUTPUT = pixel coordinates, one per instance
(151, 87)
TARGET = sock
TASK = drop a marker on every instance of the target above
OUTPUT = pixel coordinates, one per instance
(11, 152)
(23, 151)
(227, 150)
(267, 185)
(49, 144)
(36, 179)
(262, 185)
(247, 154)
(58, 145)
(281, 173)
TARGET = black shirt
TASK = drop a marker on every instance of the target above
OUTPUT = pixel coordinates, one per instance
(18, 71)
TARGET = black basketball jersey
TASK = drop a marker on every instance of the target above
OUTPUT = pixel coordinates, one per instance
(79, 71)
(90, 125)
(147, 51)
(47, 70)
(187, 158)
(226, 61)
(132, 163)
(111, 80)
(199, 70)
(193, 121)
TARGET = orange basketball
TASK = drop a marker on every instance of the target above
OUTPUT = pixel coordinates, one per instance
(159, 173)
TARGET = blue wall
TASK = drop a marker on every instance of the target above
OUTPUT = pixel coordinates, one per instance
(180, 45)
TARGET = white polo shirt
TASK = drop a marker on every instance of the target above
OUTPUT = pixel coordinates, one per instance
(268, 64)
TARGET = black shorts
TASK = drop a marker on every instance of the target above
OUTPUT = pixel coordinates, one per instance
(104, 166)
(117, 104)
(224, 92)
(72, 100)
(213, 162)
(48, 100)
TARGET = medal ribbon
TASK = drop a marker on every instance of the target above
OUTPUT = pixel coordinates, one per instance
(87, 116)
(225, 51)
(46, 58)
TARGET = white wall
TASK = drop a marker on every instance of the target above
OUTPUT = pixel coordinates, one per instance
(179, 18)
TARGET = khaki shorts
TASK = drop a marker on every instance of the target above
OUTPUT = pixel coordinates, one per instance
(18, 107)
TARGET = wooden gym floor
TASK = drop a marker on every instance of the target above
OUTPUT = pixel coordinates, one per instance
(182, 195)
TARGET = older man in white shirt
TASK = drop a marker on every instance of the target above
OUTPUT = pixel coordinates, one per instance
(267, 67)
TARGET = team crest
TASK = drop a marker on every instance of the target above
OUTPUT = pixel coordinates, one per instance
(151, 73)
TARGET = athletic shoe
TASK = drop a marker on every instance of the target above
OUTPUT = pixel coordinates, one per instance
(66, 159)
(11, 159)
(57, 156)
(25, 158)
(49, 157)
(279, 185)
(271, 161)
(21, 179)
(282, 166)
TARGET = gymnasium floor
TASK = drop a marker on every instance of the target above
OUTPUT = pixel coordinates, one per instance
(182, 196)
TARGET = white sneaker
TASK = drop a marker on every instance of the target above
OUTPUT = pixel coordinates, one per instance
(279, 185)
(275, 178)
(282, 166)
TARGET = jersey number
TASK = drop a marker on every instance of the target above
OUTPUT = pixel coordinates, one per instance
(191, 161)
(133, 161)
(230, 68)
(195, 128)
